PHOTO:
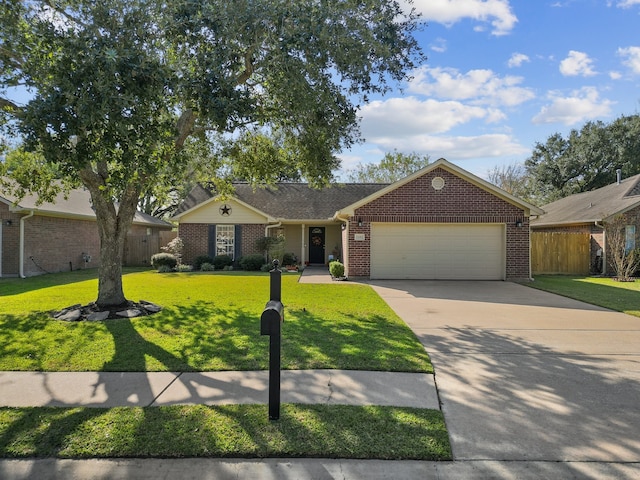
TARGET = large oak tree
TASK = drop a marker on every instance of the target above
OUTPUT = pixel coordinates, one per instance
(118, 87)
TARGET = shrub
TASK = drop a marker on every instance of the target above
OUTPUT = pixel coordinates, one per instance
(336, 269)
(174, 247)
(184, 268)
(207, 267)
(164, 259)
(199, 260)
(251, 263)
(165, 269)
(289, 259)
(221, 261)
(266, 267)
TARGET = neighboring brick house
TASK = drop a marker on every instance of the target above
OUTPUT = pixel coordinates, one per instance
(442, 222)
(57, 236)
(587, 213)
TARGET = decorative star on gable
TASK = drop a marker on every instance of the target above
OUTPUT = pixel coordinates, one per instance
(225, 210)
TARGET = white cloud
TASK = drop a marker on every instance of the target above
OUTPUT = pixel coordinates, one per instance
(577, 64)
(457, 147)
(628, 3)
(496, 12)
(439, 45)
(401, 117)
(613, 75)
(581, 105)
(483, 87)
(517, 59)
(631, 57)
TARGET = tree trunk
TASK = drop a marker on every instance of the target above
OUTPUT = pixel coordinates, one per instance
(113, 222)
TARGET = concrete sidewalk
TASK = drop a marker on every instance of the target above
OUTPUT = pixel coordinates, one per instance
(114, 389)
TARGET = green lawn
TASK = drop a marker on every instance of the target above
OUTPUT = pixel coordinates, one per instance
(238, 431)
(209, 322)
(605, 292)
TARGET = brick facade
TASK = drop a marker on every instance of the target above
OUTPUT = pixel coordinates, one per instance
(196, 239)
(52, 244)
(458, 202)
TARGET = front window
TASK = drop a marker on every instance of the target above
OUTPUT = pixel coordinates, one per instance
(629, 238)
(225, 240)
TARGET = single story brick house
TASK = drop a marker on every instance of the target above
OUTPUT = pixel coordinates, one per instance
(57, 236)
(441, 222)
(585, 214)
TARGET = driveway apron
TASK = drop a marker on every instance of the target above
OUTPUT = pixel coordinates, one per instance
(524, 374)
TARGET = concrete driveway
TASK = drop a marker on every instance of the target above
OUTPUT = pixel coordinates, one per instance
(526, 375)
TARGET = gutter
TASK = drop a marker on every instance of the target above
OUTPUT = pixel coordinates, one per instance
(31, 214)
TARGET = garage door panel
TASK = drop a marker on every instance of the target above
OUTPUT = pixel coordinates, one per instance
(438, 251)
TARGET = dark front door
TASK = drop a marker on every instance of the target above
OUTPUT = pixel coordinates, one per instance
(316, 245)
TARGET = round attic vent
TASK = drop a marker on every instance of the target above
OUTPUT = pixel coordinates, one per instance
(437, 183)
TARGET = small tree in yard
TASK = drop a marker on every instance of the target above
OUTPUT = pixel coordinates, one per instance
(625, 257)
(121, 89)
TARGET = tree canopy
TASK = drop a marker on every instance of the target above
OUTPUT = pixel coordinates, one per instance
(119, 88)
(393, 167)
(585, 160)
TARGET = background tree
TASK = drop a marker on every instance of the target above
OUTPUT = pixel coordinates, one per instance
(586, 160)
(511, 178)
(393, 166)
(119, 86)
(625, 256)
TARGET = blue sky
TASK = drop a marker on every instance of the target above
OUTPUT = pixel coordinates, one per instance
(502, 75)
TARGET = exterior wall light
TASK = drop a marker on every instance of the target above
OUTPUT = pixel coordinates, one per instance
(519, 223)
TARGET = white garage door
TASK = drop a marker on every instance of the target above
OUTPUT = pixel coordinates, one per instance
(438, 251)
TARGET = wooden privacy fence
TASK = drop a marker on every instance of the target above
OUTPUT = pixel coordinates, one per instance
(560, 253)
(138, 249)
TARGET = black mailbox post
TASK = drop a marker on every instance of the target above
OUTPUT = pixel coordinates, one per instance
(270, 324)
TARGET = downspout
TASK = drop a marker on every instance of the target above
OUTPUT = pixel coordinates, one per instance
(345, 241)
(31, 214)
(604, 248)
(269, 227)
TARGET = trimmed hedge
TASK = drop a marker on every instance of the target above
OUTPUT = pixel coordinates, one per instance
(252, 263)
(164, 259)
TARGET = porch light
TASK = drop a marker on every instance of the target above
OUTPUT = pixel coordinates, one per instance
(8, 223)
(519, 223)
(359, 222)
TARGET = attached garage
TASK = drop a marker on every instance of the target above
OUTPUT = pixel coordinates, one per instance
(440, 223)
(438, 251)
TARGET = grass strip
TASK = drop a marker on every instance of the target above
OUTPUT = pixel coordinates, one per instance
(232, 431)
(604, 292)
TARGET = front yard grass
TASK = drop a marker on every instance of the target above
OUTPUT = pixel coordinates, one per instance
(210, 322)
(238, 431)
(604, 292)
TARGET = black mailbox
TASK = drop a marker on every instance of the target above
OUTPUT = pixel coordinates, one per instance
(271, 317)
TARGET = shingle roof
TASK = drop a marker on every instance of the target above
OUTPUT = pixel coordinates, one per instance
(593, 206)
(77, 204)
(291, 201)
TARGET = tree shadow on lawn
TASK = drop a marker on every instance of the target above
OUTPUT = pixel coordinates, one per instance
(209, 331)
(507, 398)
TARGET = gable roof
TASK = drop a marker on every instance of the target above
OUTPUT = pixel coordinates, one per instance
(594, 206)
(446, 165)
(286, 201)
(77, 205)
